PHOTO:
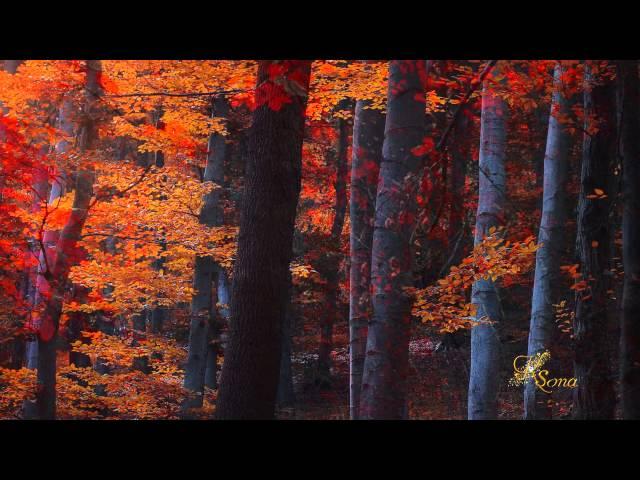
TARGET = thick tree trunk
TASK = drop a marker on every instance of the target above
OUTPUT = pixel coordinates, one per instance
(628, 120)
(65, 253)
(384, 383)
(368, 135)
(286, 395)
(594, 396)
(331, 262)
(202, 352)
(485, 344)
(551, 238)
(251, 366)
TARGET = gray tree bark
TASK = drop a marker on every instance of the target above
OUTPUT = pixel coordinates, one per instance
(57, 278)
(386, 365)
(485, 344)
(551, 238)
(202, 352)
(368, 136)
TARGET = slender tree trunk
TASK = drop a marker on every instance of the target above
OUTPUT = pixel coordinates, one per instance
(386, 365)
(331, 262)
(458, 229)
(203, 310)
(628, 120)
(159, 313)
(551, 238)
(485, 344)
(251, 367)
(368, 135)
(66, 250)
(594, 395)
(49, 237)
(460, 154)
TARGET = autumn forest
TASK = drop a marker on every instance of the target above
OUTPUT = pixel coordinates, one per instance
(319, 240)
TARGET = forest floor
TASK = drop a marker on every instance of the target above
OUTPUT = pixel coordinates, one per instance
(438, 379)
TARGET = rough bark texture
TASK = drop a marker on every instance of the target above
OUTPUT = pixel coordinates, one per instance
(384, 383)
(628, 120)
(330, 264)
(485, 344)
(65, 253)
(368, 135)
(202, 352)
(594, 395)
(551, 236)
(286, 395)
(250, 371)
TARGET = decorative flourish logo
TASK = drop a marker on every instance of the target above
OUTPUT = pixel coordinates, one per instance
(529, 369)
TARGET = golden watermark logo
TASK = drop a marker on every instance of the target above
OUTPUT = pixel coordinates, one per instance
(529, 369)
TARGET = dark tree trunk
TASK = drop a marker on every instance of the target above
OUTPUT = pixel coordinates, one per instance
(251, 366)
(628, 120)
(66, 251)
(203, 354)
(460, 155)
(159, 313)
(368, 135)
(286, 394)
(331, 262)
(594, 395)
(386, 365)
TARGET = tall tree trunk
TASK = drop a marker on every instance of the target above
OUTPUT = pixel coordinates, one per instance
(159, 313)
(47, 251)
(628, 120)
(203, 309)
(65, 251)
(551, 238)
(368, 135)
(386, 365)
(331, 262)
(594, 395)
(485, 344)
(272, 187)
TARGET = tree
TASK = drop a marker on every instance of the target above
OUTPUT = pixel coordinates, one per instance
(368, 135)
(485, 344)
(594, 396)
(551, 238)
(66, 251)
(386, 364)
(329, 264)
(250, 371)
(203, 310)
(628, 89)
